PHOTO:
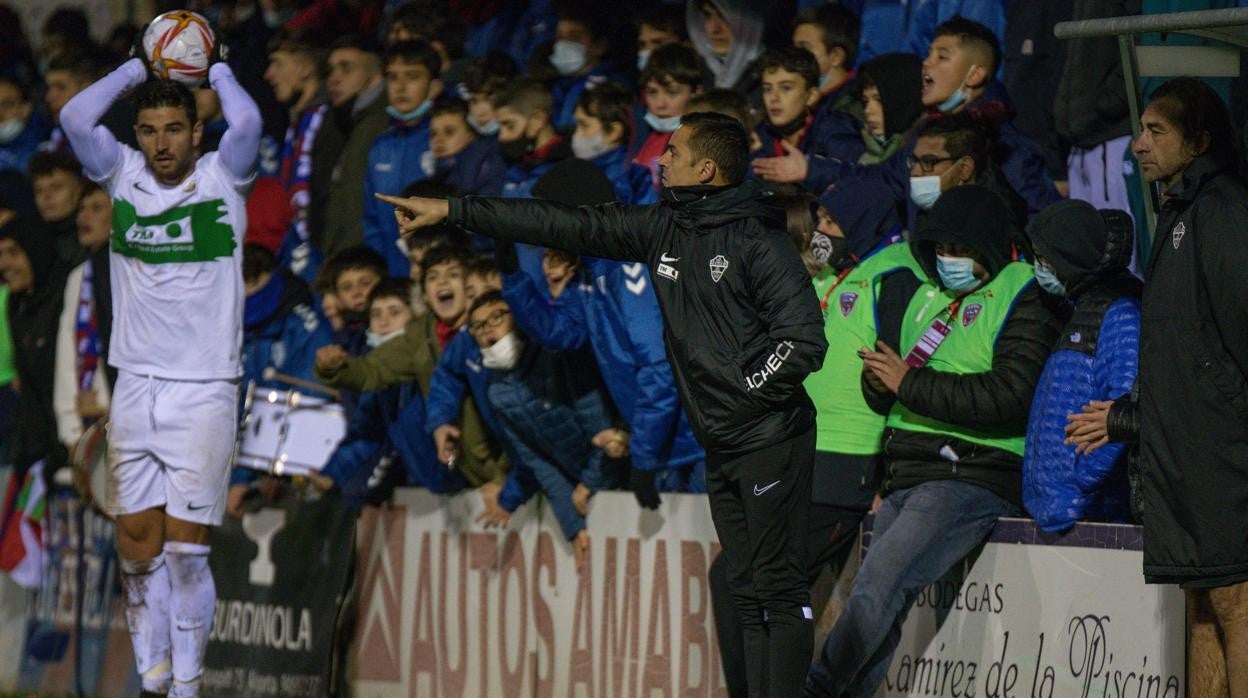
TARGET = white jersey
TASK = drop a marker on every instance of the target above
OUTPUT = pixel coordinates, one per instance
(177, 270)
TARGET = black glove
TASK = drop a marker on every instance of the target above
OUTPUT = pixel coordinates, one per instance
(505, 257)
(220, 50)
(642, 485)
(137, 50)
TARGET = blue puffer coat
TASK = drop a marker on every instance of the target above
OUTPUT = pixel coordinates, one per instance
(1096, 358)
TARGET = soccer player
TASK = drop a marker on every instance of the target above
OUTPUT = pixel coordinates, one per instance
(176, 258)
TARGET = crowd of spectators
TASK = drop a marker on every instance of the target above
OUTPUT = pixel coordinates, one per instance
(947, 149)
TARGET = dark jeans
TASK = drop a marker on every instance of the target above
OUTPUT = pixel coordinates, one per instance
(759, 502)
(919, 534)
(829, 543)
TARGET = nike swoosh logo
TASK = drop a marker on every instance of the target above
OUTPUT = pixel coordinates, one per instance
(136, 186)
(192, 507)
(664, 258)
(759, 490)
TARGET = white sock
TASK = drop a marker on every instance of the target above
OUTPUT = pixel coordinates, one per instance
(192, 603)
(146, 585)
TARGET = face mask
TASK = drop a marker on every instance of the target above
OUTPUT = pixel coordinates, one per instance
(10, 130)
(569, 57)
(643, 57)
(414, 115)
(1047, 278)
(958, 98)
(489, 129)
(590, 147)
(957, 273)
(503, 354)
(825, 81)
(376, 340)
(924, 191)
(514, 151)
(661, 124)
(829, 250)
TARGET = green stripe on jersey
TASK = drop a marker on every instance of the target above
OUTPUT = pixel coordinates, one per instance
(197, 232)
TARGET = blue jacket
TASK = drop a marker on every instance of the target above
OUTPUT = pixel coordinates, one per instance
(1021, 160)
(459, 368)
(1097, 358)
(519, 184)
(550, 406)
(16, 154)
(479, 169)
(832, 134)
(631, 181)
(416, 449)
(618, 315)
(397, 158)
(566, 91)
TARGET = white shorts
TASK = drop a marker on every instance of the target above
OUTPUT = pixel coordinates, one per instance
(170, 444)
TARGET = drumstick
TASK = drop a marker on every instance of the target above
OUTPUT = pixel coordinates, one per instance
(271, 374)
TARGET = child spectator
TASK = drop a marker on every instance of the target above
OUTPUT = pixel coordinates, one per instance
(481, 276)
(526, 137)
(22, 128)
(1082, 257)
(579, 56)
(890, 88)
(296, 67)
(83, 381)
(281, 328)
(487, 76)
(603, 129)
(729, 36)
(68, 74)
(560, 268)
(550, 406)
(658, 26)
(467, 163)
(672, 75)
(433, 24)
(790, 91)
(830, 33)
(398, 156)
(353, 274)
(58, 186)
(728, 103)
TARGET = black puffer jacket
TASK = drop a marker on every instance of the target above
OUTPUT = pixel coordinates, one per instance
(996, 401)
(741, 324)
(1091, 103)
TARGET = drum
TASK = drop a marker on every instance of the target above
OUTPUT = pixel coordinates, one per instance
(89, 461)
(288, 433)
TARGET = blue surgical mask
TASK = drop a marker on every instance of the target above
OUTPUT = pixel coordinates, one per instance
(958, 98)
(957, 273)
(663, 124)
(489, 129)
(569, 57)
(1047, 278)
(824, 81)
(924, 191)
(590, 147)
(10, 129)
(414, 115)
(643, 57)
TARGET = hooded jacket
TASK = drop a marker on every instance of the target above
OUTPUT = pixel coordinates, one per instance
(1194, 383)
(1096, 358)
(996, 401)
(34, 317)
(742, 327)
(737, 70)
(899, 79)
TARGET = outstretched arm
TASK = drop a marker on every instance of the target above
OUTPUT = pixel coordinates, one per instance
(95, 147)
(240, 144)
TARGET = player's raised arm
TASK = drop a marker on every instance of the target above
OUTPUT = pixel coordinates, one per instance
(94, 146)
(241, 142)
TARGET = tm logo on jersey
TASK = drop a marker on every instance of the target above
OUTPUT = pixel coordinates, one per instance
(198, 232)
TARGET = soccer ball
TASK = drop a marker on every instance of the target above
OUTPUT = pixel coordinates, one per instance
(178, 45)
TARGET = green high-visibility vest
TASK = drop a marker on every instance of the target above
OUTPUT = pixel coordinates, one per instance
(968, 348)
(8, 370)
(844, 423)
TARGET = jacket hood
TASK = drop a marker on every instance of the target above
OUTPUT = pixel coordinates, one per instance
(1082, 243)
(747, 38)
(899, 78)
(865, 211)
(39, 244)
(971, 216)
(713, 207)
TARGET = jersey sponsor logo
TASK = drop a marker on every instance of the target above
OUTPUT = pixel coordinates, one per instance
(197, 232)
(719, 264)
(668, 271)
(1177, 233)
(970, 313)
(848, 301)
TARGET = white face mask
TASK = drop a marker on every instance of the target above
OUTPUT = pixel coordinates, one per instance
(924, 191)
(10, 130)
(643, 57)
(375, 340)
(503, 354)
(663, 124)
(569, 57)
(590, 147)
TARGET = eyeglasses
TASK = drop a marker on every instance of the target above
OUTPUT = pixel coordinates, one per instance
(494, 320)
(927, 163)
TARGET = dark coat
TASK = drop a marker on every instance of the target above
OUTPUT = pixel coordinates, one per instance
(1194, 384)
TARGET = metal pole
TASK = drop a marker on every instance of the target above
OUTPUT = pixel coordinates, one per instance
(1126, 52)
